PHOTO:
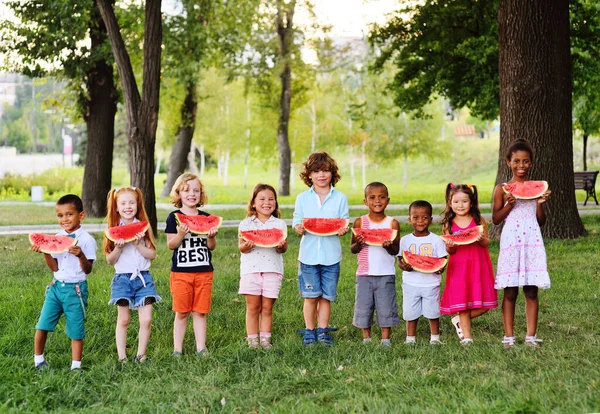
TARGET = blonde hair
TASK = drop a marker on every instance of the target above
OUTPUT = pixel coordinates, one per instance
(181, 184)
(113, 219)
(257, 189)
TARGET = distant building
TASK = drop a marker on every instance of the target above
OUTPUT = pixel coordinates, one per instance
(465, 131)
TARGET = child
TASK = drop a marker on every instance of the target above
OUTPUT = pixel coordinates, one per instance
(469, 286)
(522, 257)
(376, 275)
(132, 286)
(191, 269)
(319, 256)
(421, 291)
(261, 268)
(68, 291)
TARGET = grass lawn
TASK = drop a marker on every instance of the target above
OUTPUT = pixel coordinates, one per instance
(561, 376)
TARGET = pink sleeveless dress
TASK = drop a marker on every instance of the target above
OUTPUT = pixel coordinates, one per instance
(469, 278)
(522, 257)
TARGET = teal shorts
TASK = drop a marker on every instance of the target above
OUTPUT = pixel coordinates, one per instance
(63, 298)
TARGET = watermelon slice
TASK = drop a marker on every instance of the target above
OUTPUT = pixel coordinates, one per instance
(375, 237)
(324, 226)
(126, 232)
(424, 264)
(527, 190)
(265, 237)
(52, 244)
(199, 224)
(466, 236)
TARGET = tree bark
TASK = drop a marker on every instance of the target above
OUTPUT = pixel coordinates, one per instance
(285, 33)
(142, 114)
(585, 142)
(100, 121)
(535, 102)
(179, 154)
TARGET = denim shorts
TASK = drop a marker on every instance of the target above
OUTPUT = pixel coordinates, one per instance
(135, 290)
(316, 281)
(63, 298)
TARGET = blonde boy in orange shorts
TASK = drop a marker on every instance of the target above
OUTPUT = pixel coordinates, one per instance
(191, 269)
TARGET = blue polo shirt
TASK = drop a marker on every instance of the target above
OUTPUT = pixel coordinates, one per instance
(320, 250)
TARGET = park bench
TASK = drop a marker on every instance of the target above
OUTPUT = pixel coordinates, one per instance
(586, 180)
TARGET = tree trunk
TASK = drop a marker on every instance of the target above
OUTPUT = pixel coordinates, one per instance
(100, 122)
(585, 141)
(183, 142)
(535, 102)
(142, 114)
(285, 34)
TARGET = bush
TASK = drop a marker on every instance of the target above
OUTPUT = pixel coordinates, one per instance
(56, 182)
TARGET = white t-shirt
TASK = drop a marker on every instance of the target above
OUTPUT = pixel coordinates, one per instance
(431, 245)
(131, 260)
(375, 260)
(261, 259)
(69, 269)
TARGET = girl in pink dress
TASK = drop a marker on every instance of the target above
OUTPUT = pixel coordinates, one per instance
(522, 257)
(469, 289)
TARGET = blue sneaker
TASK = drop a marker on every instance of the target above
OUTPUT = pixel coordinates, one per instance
(42, 366)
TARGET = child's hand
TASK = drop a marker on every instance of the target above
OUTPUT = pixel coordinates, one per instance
(120, 243)
(439, 272)
(403, 265)
(36, 248)
(213, 232)
(342, 231)
(183, 229)
(282, 245)
(138, 237)
(387, 243)
(450, 243)
(299, 228)
(76, 251)
(509, 198)
(246, 245)
(359, 239)
(544, 197)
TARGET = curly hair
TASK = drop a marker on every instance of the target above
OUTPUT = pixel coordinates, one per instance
(181, 184)
(519, 145)
(320, 161)
(251, 211)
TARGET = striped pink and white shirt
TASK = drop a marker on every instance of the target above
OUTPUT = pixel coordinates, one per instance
(375, 260)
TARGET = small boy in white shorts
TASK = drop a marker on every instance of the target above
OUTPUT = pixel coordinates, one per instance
(421, 291)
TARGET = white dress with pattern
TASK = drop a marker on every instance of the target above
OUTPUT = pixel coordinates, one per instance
(522, 258)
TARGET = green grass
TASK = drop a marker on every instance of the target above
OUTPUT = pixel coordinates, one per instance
(562, 376)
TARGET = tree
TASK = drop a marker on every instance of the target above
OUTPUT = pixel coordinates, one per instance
(535, 101)
(142, 111)
(47, 39)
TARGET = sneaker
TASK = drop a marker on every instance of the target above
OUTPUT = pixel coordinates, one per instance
(203, 353)
(265, 343)
(366, 341)
(176, 354)
(410, 341)
(42, 366)
(253, 343)
(466, 341)
(435, 342)
(386, 343)
(141, 359)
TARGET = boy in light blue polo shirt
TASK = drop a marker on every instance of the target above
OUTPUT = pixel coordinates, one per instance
(320, 256)
(68, 292)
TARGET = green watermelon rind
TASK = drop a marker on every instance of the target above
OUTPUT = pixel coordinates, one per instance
(332, 231)
(371, 242)
(411, 258)
(130, 229)
(507, 188)
(465, 237)
(249, 235)
(68, 242)
(192, 222)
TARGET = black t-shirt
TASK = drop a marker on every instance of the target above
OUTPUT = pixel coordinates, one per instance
(193, 254)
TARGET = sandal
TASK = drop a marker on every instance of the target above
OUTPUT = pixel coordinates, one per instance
(265, 343)
(323, 335)
(508, 341)
(309, 336)
(253, 343)
(466, 341)
(140, 359)
(456, 322)
(533, 342)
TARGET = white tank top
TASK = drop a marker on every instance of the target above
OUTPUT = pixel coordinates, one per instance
(375, 260)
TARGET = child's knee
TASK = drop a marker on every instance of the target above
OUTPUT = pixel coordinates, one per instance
(182, 315)
(123, 321)
(531, 292)
(510, 294)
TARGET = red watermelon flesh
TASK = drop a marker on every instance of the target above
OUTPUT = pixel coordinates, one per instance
(466, 236)
(265, 237)
(126, 232)
(52, 244)
(324, 226)
(527, 190)
(375, 237)
(199, 224)
(424, 264)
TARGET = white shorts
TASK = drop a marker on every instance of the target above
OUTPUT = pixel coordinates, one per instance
(420, 301)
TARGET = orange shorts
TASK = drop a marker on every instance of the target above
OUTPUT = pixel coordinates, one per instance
(191, 291)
